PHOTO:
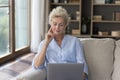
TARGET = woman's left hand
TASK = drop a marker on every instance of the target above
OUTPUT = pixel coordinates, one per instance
(84, 76)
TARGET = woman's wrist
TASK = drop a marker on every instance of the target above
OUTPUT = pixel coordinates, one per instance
(46, 43)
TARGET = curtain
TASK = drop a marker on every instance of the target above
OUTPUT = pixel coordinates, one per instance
(38, 22)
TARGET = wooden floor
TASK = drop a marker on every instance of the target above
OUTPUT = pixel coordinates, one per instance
(13, 69)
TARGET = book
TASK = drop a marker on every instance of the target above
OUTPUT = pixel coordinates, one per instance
(117, 16)
(117, 2)
(97, 17)
(73, 1)
(115, 33)
(99, 1)
(101, 33)
(76, 31)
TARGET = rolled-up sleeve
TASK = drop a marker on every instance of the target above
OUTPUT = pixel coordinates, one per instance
(38, 52)
(80, 55)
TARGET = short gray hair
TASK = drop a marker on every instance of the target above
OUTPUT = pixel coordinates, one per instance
(59, 12)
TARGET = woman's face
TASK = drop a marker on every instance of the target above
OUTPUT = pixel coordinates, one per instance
(58, 25)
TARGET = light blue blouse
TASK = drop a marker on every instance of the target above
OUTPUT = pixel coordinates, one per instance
(71, 51)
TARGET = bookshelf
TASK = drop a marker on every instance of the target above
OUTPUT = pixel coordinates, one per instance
(102, 26)
(104, 19)
(73, 8)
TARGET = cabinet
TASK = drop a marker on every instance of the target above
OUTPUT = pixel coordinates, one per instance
(105, 19)
(73, 8)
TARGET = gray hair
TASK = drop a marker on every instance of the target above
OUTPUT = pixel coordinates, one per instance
(59, 12)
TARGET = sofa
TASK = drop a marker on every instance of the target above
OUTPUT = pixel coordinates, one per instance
(102, 56)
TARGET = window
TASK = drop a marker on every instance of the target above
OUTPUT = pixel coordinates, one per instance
(14, 26)
(21, 23)
(4, 27)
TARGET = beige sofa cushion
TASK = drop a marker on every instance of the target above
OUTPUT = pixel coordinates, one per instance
(116, 72)
(32, 74)
(99, 57)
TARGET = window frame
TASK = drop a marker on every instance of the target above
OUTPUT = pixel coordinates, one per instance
(16, 53)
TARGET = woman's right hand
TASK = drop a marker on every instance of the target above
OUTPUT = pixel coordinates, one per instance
(40, 58)
(49, 36)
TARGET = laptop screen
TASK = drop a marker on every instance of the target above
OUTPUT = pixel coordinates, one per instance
(65, 71)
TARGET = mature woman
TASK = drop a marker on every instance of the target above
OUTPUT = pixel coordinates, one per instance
(57, 47)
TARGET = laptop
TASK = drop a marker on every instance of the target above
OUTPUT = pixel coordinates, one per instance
(65, 71)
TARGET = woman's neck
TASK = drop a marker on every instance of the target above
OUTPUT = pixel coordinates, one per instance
(59, 37)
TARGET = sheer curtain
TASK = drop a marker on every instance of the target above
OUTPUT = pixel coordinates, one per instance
(38, 22)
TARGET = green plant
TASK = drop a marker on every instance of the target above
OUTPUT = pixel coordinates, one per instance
(85, 20)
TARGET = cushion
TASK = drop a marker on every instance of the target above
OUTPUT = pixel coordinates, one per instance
(99, 57)
(116, 72)
(32, 74)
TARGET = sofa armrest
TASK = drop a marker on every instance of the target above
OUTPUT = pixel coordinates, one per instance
(32, 74)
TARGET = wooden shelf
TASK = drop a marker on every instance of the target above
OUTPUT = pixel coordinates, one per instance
(88, 8)
(105, 21)
(83, 35)
(74, 20)
(106, 4)
(74, 9)
(65, 4)
(106, 36)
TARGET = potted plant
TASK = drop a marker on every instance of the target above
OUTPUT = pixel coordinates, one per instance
(85, 22)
